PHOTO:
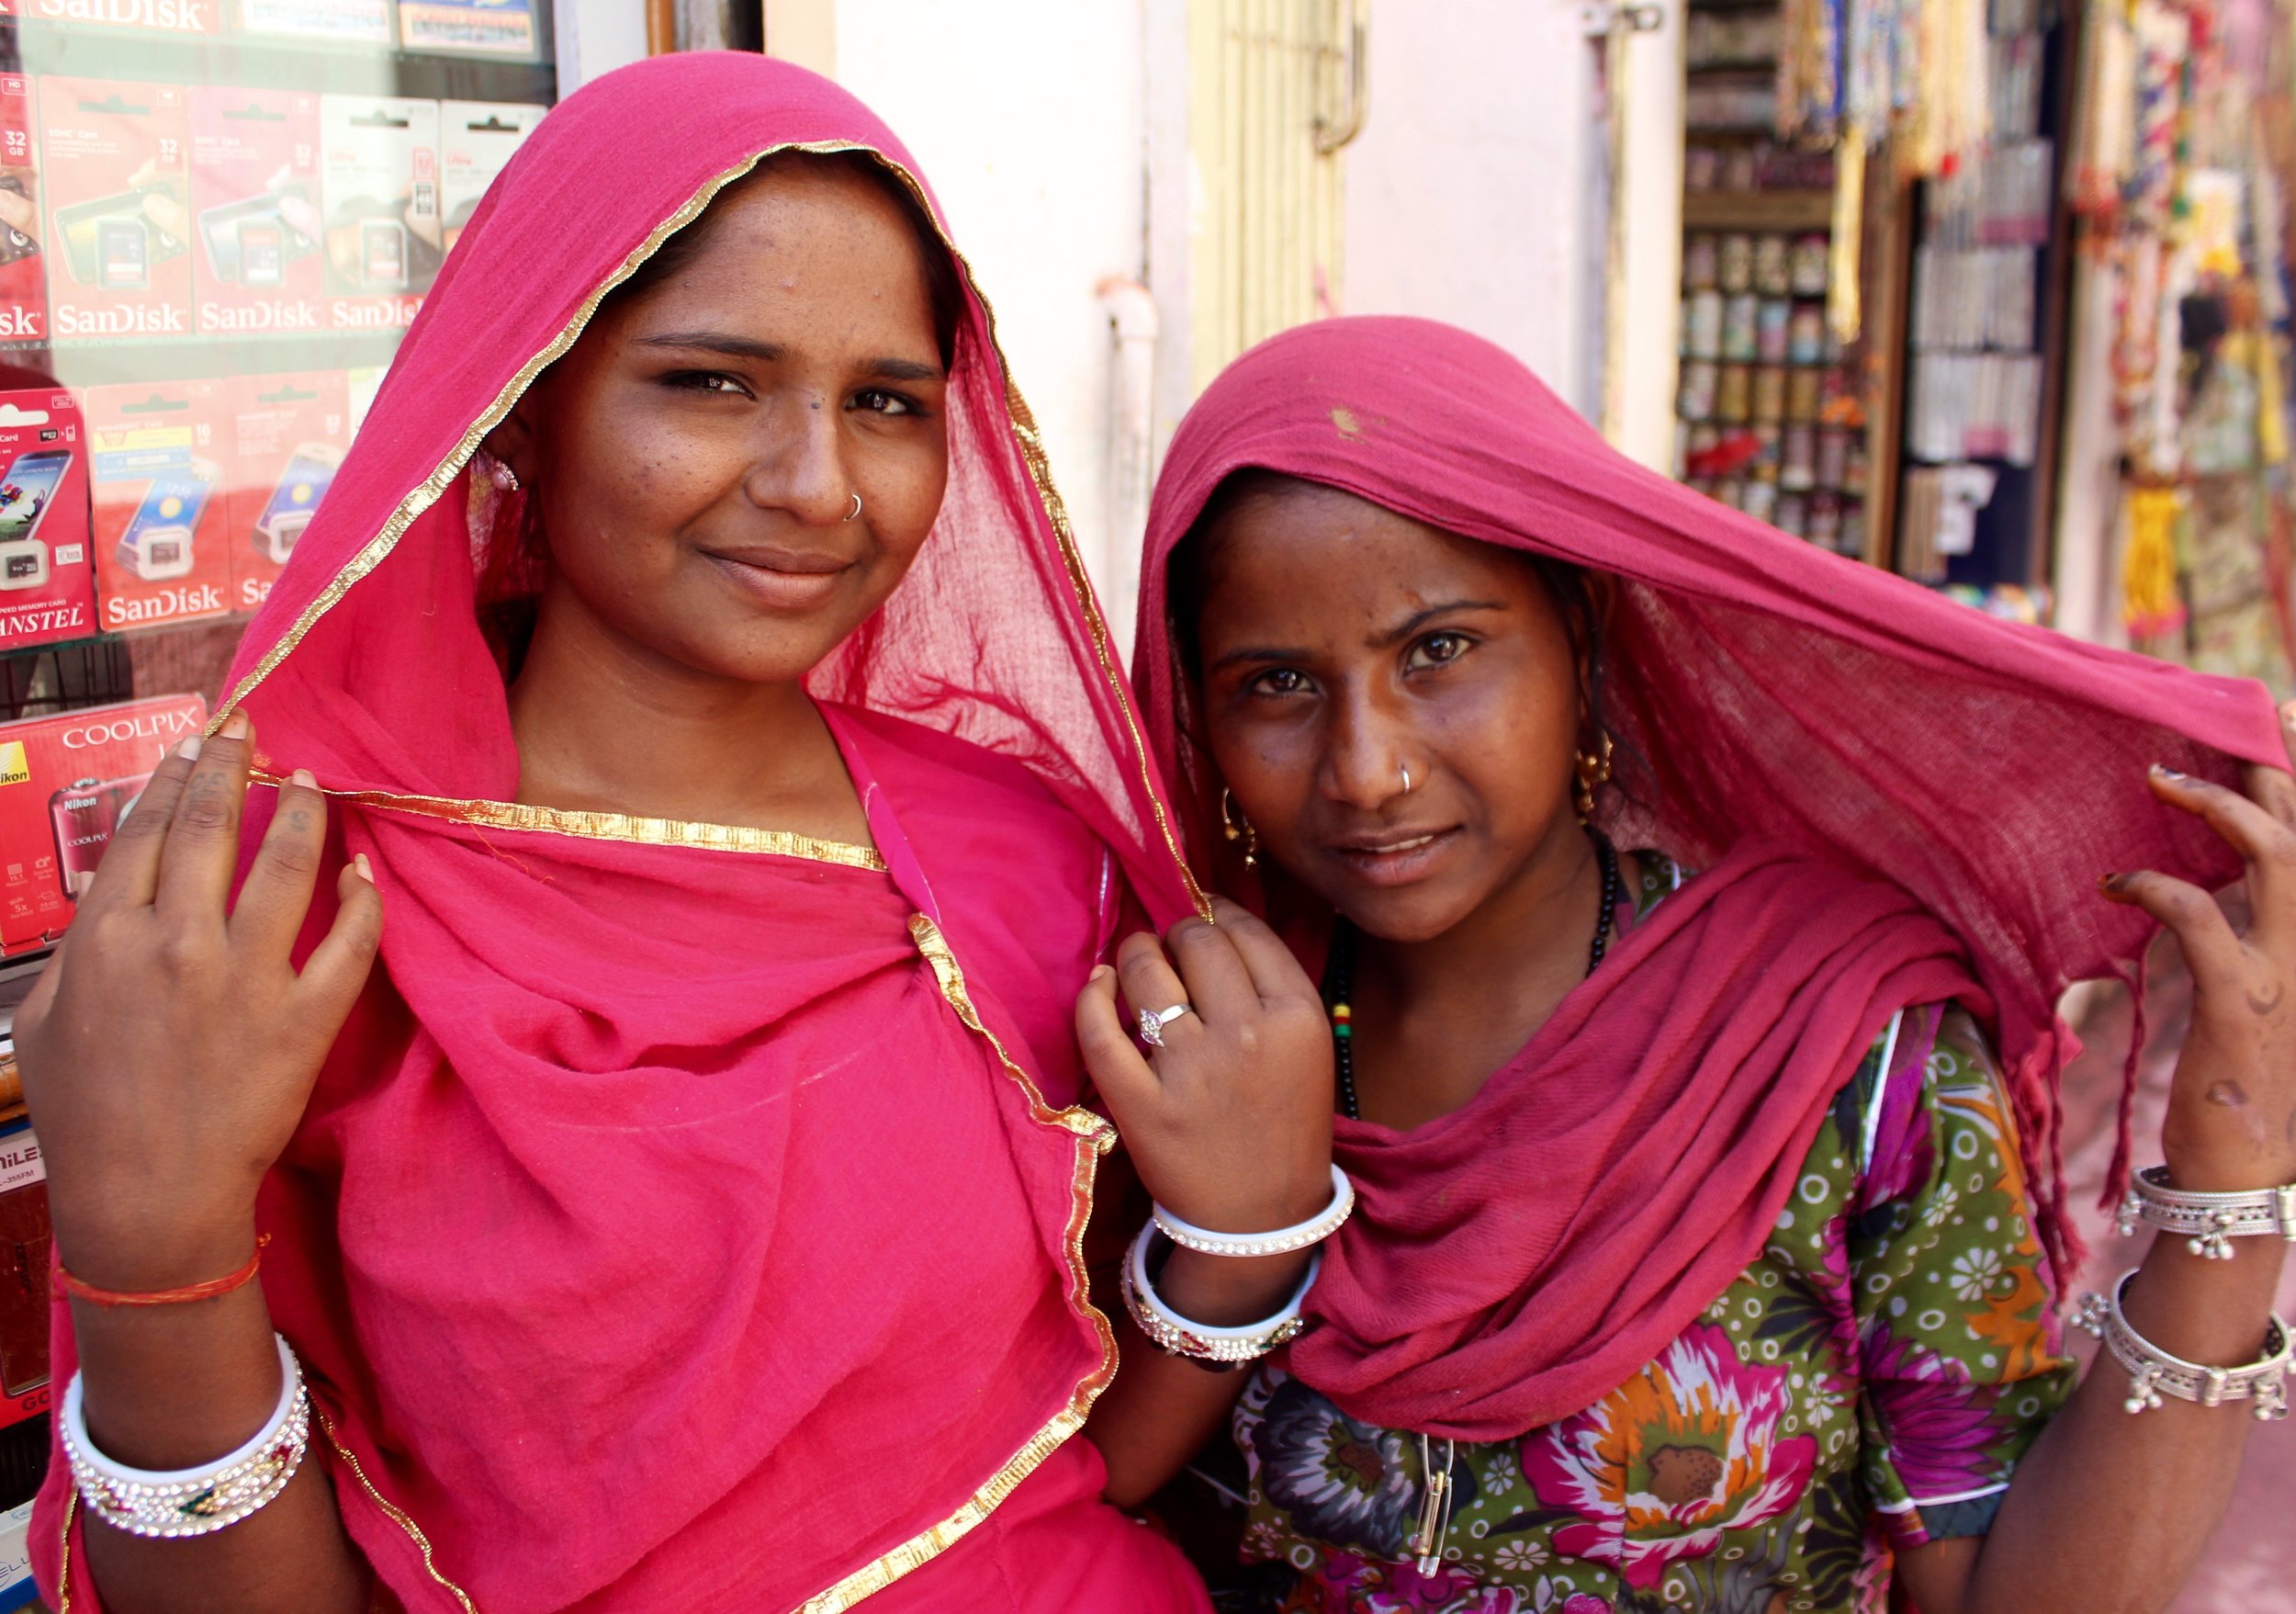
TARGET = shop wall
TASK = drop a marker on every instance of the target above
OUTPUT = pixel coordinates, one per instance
(1029, 116)
(1467, 191)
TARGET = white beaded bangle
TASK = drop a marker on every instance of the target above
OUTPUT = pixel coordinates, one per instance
(1281, 1242)
(1218, 1348)
(177, 1502)
(2209, 1221)
(2153, 1373)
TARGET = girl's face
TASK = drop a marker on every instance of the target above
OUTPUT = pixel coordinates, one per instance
(1343, 644)
(696, 454)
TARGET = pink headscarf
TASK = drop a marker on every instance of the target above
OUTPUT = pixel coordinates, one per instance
(689, 1217)
(1894, 799)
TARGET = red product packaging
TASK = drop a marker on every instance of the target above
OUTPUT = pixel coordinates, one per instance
(65, 784)
(47, 574)
(287, 435)
(157, 452)
(24, 1243)
(254, 202)
(23, 292)
(114, 164)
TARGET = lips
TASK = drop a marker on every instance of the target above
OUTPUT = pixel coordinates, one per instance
(777, 579)
(1394, 857)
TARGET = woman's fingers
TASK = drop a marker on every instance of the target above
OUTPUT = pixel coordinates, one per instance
(202, 850)
(1114, 1062)
(1219, 986)
(2210, 944)
(276, 894)
(128, 876)
(339, 965)
(1275, 973)
(1151, 984)
(2267, 844)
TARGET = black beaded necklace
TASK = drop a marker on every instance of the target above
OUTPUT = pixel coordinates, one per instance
(1339, 978)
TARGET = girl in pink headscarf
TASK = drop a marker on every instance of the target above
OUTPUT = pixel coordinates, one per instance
(1691, 908)
(690, 686)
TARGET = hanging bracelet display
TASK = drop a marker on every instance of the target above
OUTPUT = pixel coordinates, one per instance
(174, 1503)
(2208, 1222)
(1282, 1241)
(1200, 1342)
(2154, 1372)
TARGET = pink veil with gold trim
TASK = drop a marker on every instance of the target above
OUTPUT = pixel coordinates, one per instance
(689, 1217)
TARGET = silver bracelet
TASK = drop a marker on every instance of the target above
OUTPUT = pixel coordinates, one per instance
(1281, 1242)
(173, 1504)
(2153, 1373)
(1217, 1348)
(2210, 1222)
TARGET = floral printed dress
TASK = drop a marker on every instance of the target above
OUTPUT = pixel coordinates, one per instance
(1867, 1384)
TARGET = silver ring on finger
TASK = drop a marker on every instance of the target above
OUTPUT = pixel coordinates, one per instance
(1153, 1020)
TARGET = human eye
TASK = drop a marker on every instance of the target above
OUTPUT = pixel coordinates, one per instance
(1437, 650)
(879, 400)
(716, 381)
(1280, 681)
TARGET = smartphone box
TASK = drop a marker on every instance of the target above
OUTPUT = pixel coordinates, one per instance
(23, 277)
(113, 160)
(157, 453)
(255, 203)
(148, 17)
(289, 433)
(65, 784)
(46, 563)
(476, 141)
(379, 191)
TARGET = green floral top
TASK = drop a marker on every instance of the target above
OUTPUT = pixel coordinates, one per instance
(1868, 1385)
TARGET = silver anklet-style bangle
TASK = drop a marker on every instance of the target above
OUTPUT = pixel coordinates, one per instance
(2153, 1373)
(1217, 1349)
(1281, 1242)
(2209, 1221)
(173, 1504)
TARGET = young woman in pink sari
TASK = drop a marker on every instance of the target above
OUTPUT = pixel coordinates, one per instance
(1692, 908)
(691, 689)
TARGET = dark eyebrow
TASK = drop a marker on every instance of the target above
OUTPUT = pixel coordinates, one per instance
(891, 369)
(1271, 653)
(904, 369)
(1398, 635)
(717, 342)
(1236, 658)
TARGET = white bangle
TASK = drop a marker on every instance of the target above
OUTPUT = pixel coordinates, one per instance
(2153, 1373)
(1217, 1348)
(175, 1503)
(2210, 1222)
(1281, 1242)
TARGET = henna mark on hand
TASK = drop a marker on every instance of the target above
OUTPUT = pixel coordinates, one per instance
(2261, 1003)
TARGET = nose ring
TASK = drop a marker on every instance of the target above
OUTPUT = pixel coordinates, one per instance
(1407, 781)
(856, 510)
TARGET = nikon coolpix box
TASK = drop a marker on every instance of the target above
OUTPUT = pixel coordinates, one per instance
(65, 785)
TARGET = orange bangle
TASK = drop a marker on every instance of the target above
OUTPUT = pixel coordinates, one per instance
(207, 1291)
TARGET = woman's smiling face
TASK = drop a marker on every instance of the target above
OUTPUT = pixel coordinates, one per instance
(697, 454)
(1341, 645)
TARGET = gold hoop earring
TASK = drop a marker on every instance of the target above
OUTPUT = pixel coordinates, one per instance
(1593, 773)
(1236, 826)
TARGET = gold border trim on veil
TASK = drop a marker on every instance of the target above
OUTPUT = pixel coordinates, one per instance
(624, 827)
(1093, 1136)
